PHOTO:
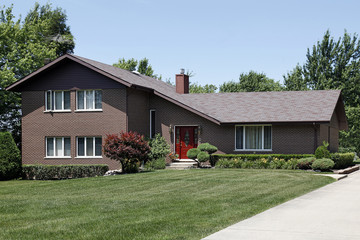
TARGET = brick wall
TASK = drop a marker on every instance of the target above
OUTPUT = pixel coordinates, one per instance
(138, 111)
(37, 125)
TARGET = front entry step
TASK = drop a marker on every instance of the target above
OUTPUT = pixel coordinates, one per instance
(182, 164)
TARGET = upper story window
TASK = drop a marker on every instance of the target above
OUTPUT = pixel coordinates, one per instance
(253, 138)
(57, 100)
(89, 100)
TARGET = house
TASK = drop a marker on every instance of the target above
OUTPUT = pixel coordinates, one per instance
(70, 104)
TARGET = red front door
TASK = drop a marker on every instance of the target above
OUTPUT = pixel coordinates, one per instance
(185, 139)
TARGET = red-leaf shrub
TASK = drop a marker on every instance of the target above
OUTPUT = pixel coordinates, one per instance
(129, 148)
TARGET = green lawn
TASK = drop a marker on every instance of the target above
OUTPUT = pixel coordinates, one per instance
(165, 204)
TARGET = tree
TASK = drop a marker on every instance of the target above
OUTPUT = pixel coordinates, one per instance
(142, 66)
(251, 82)
(25, 45)
(129, 148)
(350, 139)
(197, 88)
(10, 158)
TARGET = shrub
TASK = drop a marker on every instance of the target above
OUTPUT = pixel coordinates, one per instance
(129, 149)
(323, 164)
(210, 149)
(193, 153)
(290, 164)
(322, 151)
(159, 148)
(203, 157)
(159, 163)
(343, 160)
(10, 159)
(305, 163)
(207, 147)
(49, 172)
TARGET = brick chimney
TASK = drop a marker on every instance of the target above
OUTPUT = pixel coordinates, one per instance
(182, 82)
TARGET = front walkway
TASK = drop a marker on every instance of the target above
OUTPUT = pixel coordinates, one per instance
(330, 212)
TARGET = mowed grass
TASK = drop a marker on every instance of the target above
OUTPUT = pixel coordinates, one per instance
(165, 204)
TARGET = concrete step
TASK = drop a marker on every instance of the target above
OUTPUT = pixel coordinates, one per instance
(182, 165)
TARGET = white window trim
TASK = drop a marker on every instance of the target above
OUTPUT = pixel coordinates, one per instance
(244, 134)
(93, 103)
(151, 133)
(54, 143)
(77, 147)
(52, 101)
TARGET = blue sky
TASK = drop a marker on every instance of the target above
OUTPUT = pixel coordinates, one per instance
(217, 40)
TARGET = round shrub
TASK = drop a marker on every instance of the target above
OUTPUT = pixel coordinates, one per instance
(323, 164)
(159, 148)
(322, 152)
(192, 153)
(10, 159)
(207, 147)
(203, 157)
(305, 163)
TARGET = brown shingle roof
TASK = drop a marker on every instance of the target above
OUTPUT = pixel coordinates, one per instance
(243, 107)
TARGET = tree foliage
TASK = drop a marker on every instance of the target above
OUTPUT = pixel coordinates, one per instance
(142, 66)
(251, 82)
(25, 45)
(129, 148)
(197, 88)
(351, 139)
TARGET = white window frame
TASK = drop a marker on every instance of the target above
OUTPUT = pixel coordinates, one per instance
(52, 101)
(85, 156)
(54, 144)
(151, 132)
(85, 104)
(244, 140)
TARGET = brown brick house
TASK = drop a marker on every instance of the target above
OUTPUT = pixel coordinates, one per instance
(70, 104)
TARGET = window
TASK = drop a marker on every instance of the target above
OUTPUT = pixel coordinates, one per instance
(89, 100)
(253, 138)
(89, 146)
(57, 100)
(152, 123)
(58, 146)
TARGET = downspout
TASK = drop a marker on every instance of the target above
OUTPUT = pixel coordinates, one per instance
(315, 136)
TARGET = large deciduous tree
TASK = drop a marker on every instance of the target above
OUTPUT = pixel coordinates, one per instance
(251, 82)
(24, 47)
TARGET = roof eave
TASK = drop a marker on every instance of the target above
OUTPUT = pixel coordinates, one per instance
(15, 85)
(187, 107)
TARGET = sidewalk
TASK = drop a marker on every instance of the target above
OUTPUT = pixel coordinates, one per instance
(331, 212)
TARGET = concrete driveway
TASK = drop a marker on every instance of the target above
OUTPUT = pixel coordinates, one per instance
(331, 212)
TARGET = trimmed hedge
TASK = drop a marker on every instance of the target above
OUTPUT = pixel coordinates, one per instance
(343, 160)
(10, 158)
(253, 157)
(50, 172)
